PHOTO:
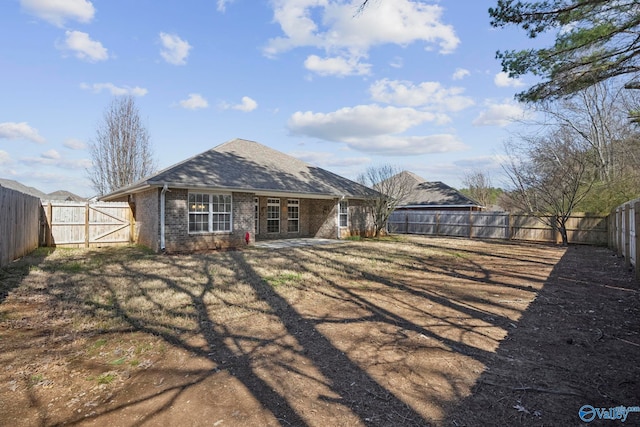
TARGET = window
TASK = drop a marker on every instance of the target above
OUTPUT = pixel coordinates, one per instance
(209, 212)
(343, 214)
(293, 215)
(198, 212)
(273, 215)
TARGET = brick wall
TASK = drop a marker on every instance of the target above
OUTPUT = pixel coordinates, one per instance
(317, 219)
(178, 238)
(360, 220)
(146, 211)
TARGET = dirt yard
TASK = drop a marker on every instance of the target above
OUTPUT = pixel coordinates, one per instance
(400, 332)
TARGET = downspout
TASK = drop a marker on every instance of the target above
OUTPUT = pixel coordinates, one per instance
(338, 218)
(165, 188)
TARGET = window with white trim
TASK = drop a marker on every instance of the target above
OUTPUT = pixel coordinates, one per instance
(293, 215)
(343, 214)
(273, 215)
(209, 213)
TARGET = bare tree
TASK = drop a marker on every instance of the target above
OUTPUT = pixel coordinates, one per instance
(392, 186)
(479, 186)
(599, 117)
(121, 152)
(549, 176)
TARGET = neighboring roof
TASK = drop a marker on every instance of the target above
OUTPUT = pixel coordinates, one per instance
(15, 185)
(243, 165)
(435, 193)
(56, 195)
(65, 195)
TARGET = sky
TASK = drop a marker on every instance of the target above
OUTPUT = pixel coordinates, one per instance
(412, 84)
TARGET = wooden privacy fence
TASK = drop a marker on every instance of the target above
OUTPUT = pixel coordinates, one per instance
(86, 224)
(581, 228)
(19, 224)
(624, 223)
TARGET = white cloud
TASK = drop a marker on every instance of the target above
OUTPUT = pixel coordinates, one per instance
(409, 145)
(51, 154)
(500, 114)
(331, 26)
(222, 5)
(5, 158)
(460, 74)
(428, 95)
(337, 66)
(84, 48)
(397, 62)
(74, 164)
(75, 144)
(174, 49)
(246, 105)
(502, 79)
(18, 131)
(325, 159)
(194, 102)
(114, 90)
(371, 128)
(360, 121)
(57, 12)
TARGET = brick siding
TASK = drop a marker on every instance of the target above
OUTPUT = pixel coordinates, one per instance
(317, 218)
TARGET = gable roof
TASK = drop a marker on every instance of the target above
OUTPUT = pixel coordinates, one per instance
(242, 165)
(433, 193)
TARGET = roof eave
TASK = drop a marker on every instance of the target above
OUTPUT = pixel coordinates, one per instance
(259, 192)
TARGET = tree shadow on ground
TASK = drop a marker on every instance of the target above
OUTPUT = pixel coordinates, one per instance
(12, 275)
(576, 344)
(350, 334)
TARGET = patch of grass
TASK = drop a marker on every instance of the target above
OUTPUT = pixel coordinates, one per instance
(354, 238)
(281, 279)
(101, 342)
(35, 379)
(71, 267)
(118, 362)
(458, 255)
(107, 378)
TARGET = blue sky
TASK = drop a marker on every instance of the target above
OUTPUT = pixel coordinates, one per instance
(414, 84)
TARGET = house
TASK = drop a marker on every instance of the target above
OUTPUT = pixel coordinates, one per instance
(433, 195)
(238, 192)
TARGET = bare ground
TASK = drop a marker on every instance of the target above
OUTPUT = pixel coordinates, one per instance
(411, 331)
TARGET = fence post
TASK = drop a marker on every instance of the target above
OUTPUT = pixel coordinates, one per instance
(509, 235)
(86, 225)
(619, 231)
(49, 219)
(614, 228)
(470, 223)
(626, 212)
(636, 208)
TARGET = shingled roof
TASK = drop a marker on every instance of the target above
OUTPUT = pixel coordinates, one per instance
(241, 165)
(433, 194)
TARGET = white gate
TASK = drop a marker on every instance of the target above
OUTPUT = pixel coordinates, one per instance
(87, 224)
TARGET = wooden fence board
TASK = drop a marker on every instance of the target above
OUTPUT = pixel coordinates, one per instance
(88, 224)
(19, 224)
(581, 228)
